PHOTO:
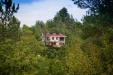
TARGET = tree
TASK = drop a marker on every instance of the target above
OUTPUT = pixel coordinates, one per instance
(9, 33)
(38, 29)
(62, 15)
(96, 6)
(7, 10)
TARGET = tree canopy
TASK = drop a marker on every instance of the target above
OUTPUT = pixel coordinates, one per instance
(96, 6)
(7, 10)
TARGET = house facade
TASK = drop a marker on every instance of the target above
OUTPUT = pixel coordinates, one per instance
(54, 39)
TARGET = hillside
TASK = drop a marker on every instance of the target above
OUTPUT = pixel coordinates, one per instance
(88, 49)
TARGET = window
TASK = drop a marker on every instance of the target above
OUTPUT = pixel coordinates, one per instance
(53, 43)
(56, 38)
(61, 38)
(61, 43)
(47, 38)
(52, 38)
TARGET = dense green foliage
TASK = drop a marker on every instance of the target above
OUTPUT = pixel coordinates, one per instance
(96, 6)
(88, 49)
(7, 10)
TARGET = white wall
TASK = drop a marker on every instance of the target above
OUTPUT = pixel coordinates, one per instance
(55, 40)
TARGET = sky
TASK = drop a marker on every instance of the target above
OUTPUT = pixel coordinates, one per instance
(32, 10)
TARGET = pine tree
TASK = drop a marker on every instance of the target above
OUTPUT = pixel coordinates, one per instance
(7, 10)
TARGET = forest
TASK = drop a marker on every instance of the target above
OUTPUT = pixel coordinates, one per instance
(88, 49)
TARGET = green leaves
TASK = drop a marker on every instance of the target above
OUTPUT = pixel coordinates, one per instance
(7, 10)
(96, 7)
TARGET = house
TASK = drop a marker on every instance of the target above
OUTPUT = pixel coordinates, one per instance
(53, 39)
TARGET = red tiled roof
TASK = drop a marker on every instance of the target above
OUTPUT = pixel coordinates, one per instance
(55, 34)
